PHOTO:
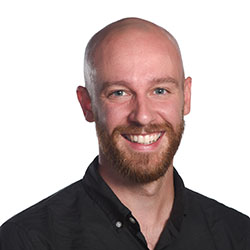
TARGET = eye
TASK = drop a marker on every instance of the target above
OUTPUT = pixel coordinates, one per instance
(160, 91)
(118, 93)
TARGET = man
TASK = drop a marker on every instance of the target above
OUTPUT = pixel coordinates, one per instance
(131, 197)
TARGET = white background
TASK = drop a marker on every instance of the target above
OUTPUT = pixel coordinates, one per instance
(45, 143)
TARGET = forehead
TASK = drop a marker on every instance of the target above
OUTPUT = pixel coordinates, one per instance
(134, 54)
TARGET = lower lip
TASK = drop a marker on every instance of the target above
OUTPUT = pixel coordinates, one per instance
(143, 147)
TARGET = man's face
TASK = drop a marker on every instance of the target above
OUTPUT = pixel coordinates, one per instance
(140, 100)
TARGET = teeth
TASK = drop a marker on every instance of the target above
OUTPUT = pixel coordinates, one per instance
(140, 139)
(144, 139)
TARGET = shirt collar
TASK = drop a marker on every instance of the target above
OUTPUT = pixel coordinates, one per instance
(179, 209)
(105, 198)
(102, 194)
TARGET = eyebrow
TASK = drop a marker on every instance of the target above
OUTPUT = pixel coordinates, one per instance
(165, 80)
(107, 84)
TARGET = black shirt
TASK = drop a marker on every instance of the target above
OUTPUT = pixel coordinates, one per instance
(88, 215)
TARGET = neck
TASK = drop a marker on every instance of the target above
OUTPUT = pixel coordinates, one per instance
(150, 203)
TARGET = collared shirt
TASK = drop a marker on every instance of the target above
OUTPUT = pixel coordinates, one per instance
(87, 215)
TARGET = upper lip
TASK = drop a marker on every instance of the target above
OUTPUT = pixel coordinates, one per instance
(143, 133)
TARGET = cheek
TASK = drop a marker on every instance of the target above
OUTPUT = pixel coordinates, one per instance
(171, 112)
(111, 116)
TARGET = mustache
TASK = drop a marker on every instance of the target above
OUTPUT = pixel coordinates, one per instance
(150, 128)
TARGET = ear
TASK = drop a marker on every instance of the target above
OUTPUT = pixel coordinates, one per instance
(187, 95)
(85, 102)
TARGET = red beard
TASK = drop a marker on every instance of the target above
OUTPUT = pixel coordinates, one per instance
(139, 167)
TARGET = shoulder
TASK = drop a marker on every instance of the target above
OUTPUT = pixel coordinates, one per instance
(214, 207)
(46, 214)
(57, 201)
(223, 221)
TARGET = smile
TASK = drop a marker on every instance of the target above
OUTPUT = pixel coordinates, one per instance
(144, 139)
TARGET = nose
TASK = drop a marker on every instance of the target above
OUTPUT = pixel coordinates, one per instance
(141, 112)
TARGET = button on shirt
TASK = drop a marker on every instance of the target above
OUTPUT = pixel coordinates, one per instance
(87, 215)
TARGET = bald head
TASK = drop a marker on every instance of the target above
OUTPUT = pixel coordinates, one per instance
(134, 33)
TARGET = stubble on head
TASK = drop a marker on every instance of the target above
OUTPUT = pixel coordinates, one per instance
(90, 71)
